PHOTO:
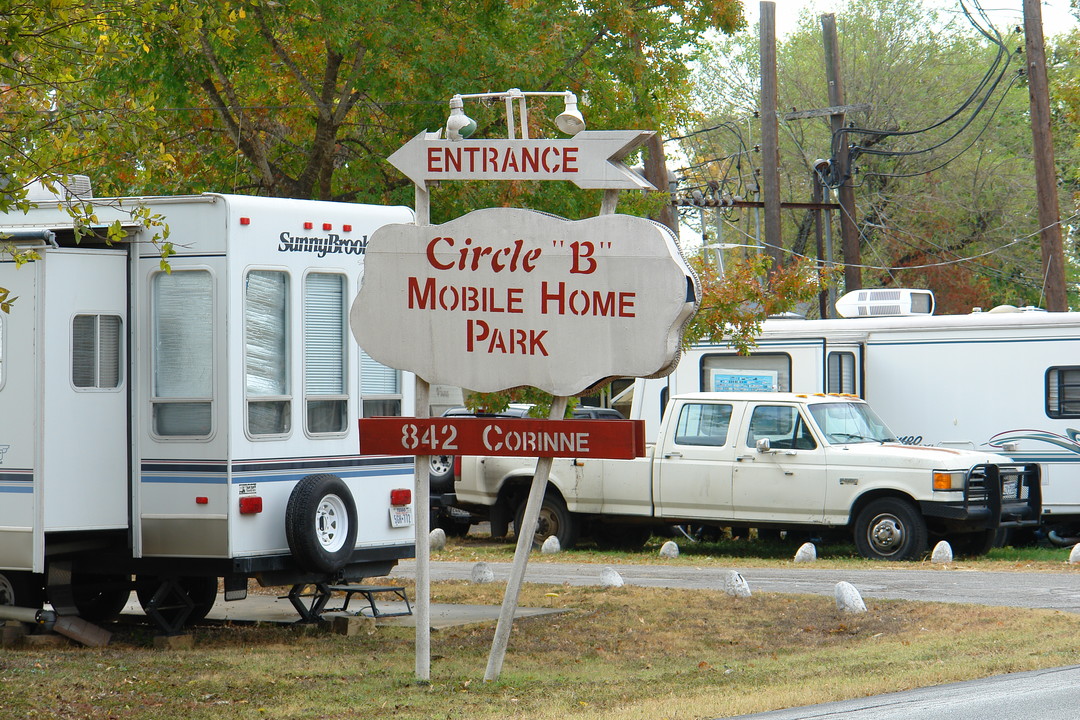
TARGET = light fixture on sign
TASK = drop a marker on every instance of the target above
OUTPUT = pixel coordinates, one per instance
(570, 120)
(460, 126)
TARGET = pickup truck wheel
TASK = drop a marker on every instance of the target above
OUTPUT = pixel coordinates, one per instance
(890, 529)
(320, 523)
(441, 473)
(554, 519)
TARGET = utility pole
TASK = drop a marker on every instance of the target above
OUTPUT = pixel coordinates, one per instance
(849, 232)
(1053, 260)
(770, 146)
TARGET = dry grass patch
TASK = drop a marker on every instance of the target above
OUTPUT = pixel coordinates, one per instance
(613, 653)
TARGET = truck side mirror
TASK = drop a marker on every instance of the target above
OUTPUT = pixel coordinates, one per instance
(763, 445)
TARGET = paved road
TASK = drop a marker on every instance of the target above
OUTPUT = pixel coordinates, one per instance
(1054, 591)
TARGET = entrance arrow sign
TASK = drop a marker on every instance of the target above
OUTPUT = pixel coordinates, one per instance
(591, 159)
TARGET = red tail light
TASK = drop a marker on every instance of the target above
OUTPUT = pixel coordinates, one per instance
(457, 466)
(401, 496)
(250, 505)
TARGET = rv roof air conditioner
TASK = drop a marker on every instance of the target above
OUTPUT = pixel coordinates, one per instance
(885, 302)
(71, 187)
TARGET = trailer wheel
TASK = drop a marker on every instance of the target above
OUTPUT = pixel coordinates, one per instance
(163, 599)
(100, 598)
(22, 589)
(890, 529)
(320, 523)
(554, 519)
(974, 544)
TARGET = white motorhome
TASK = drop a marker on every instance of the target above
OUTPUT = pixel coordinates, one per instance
(1007, 380)
(164, 428)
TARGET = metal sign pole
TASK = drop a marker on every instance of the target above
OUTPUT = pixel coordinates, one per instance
(525, 535)
(423, 503)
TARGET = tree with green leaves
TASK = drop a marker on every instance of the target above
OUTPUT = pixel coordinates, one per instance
(51, 51)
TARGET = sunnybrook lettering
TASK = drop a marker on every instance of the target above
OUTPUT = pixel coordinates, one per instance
(322, 246)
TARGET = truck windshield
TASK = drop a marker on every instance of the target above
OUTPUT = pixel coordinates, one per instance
(844, 423)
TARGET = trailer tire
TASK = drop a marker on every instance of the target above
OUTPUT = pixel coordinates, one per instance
(100, 598)
(320, 523)
(890, 528)
(22, 589)
(202, 591)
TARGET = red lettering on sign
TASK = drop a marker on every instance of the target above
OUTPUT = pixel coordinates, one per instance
(511, 258)
(569, 159)
(556, 300)
(482, 337)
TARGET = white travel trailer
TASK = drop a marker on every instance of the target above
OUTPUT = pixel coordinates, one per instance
(1007, 379)
(161, 430)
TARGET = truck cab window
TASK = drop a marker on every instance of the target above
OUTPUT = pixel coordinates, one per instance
(1063, 392)
(182, 347)
(266, 352)
(703, 424)
(783, 426)
(326, 399)
(95, 351)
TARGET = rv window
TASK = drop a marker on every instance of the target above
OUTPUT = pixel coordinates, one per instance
(2, 375)
(841, 373)
(1063, 392)
(182, 350)
(768, 372)
(95, 351)
(266, 352)
(325, 396)
(380, 387)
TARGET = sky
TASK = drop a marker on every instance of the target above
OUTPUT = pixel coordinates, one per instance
(1004, 13)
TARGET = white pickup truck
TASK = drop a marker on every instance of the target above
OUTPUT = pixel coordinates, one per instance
(770, 461)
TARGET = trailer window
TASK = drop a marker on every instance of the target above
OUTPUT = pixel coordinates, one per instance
(841, 373)
(95, 351)
(182, 353)
(1063, 392)
(380, 387)
(325, 397)
(266, 352)
(770, 372)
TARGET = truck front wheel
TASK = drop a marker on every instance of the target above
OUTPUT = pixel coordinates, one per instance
(890, 529)
(554, 519)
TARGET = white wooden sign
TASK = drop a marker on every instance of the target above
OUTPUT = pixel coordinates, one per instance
(590, 159)
(504, 297)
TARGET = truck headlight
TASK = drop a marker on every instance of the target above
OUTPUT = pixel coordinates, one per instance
(949, 479)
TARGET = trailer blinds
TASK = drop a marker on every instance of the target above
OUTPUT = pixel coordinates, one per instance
(266, 352)
(1063, 392)
(325, 395)
(95, 351)
(183, 353)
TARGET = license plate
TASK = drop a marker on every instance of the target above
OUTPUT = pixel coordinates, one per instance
(1009, 488)
(401, 516)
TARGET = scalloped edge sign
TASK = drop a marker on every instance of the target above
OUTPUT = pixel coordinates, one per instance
(504, 297)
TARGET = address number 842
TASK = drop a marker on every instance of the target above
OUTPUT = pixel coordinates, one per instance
(431, 437)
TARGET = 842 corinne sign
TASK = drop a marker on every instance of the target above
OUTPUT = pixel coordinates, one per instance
(505, 297)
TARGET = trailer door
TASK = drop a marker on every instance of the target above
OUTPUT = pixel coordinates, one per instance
(20, 430)
(85, 436)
